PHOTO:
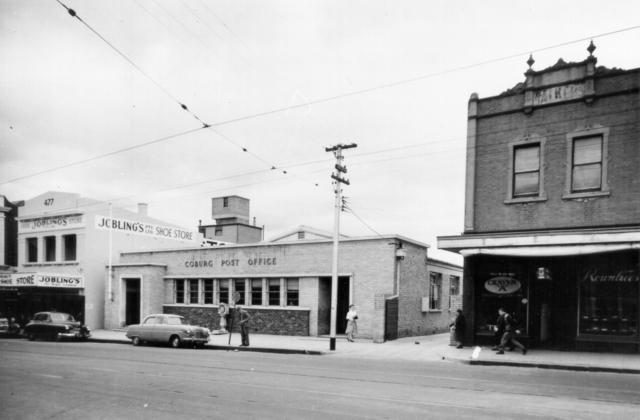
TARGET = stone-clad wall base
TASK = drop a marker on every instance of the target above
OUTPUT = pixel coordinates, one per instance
(263, 321)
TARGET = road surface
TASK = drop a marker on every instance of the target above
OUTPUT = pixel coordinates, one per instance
(52, 380)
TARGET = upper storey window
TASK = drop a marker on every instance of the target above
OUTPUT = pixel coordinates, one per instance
(586, 173)
(526, 170)
(587, 163)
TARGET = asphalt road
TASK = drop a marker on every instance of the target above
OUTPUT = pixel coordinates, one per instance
(50, 380)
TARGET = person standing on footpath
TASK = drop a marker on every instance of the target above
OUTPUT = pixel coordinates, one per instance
(352, 326)
(244, 327)
(459, 325)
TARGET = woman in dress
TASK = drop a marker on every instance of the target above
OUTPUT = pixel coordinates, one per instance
(352, 326)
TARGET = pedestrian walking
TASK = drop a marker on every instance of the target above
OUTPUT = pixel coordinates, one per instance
(244, 326)
(506, 326)
(352, 325)
(459, 325)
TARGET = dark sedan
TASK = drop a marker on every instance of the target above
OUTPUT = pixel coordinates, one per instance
(54, 326)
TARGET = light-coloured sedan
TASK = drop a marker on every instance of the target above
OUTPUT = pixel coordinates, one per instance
(167, 328)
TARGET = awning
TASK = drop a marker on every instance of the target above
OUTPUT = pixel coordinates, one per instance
(549, 251)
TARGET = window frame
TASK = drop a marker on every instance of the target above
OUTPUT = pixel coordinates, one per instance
(31, 244)
(65, 239)
(604, 190)
(435, 275)
(50, 244)
(254, 292)
(271, 294)
(193, 292)
(521, 142)
(179, 296)
(293, 294)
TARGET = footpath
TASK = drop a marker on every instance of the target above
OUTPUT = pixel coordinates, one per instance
(425, 348)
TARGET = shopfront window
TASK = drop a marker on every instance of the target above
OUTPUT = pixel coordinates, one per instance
(274, 292)
(256, 292)
(293, 295)
(32, 249)
(609, 303)
(69, 246)
(239, 286)
(49, 248)
(507, 290)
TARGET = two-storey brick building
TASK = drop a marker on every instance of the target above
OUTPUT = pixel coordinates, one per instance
(552, 217)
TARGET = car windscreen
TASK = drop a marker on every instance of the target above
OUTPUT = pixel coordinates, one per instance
(60, 317)
(174, 320)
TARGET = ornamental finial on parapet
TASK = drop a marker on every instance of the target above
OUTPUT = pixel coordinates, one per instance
(591, 48)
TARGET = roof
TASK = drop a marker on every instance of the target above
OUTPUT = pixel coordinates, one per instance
(307, 229)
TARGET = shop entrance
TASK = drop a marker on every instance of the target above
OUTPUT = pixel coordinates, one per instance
(23, 302)
(132, 301)
(324, 305)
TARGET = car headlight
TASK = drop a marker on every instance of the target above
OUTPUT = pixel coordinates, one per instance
(66, 327)
(188, 332)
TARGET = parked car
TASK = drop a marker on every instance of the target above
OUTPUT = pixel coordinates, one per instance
(8, 327)
(166, 328)
(55, 325)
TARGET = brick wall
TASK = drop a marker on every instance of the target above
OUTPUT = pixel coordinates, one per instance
(263, 321)
(619, 113)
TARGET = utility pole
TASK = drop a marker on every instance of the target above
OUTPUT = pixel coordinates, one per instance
(337, 181)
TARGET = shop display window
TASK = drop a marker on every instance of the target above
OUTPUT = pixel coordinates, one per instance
(502, 290)
(609, 304)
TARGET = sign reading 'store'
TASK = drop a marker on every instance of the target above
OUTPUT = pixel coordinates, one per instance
(140, 228)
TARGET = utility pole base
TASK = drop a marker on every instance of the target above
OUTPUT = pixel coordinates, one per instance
(332, 343)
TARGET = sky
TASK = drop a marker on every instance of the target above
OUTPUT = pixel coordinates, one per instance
(277, 81)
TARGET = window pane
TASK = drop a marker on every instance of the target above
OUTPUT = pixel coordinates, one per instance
(239, 287)
(224, 291)
(193, 292)
(50, 248)
(274, 292)
(208, 291)
(587, 150)
(526, 159)
(256, 292)
(435, 291)
(526, 184)
(32, 249)
(179, 291)
(455, 285)
(293, 292)
(586, 177)
(69, 247)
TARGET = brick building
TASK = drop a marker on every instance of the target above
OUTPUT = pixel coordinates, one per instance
(286, 285)
(231, 214)
(552, 218)
(64, 242)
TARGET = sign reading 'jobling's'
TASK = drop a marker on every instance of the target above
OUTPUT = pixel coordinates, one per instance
(139, 228)
(50, 223)
(41, 280)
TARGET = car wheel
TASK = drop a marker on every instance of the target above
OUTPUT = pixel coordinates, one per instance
(174, 341)
(31, 337)
(136, 341)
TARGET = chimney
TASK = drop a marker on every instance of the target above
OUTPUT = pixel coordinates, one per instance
(142, 208)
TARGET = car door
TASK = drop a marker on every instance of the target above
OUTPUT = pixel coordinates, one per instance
(147, 328)
(162, 330)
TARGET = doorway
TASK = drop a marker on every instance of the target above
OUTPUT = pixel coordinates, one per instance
(132, 301)
(324, 304)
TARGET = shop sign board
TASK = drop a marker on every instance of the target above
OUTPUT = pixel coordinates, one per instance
(41, 280)
(502, 285)
(141, 228)
(39, 224)
(252, 261)
(558, 94)
(623, 276)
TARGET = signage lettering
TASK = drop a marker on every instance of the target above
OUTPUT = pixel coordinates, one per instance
(231, 262)
(140, 228)
(41, 280)
(49, 223)
(624, 276)
(558, 94)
